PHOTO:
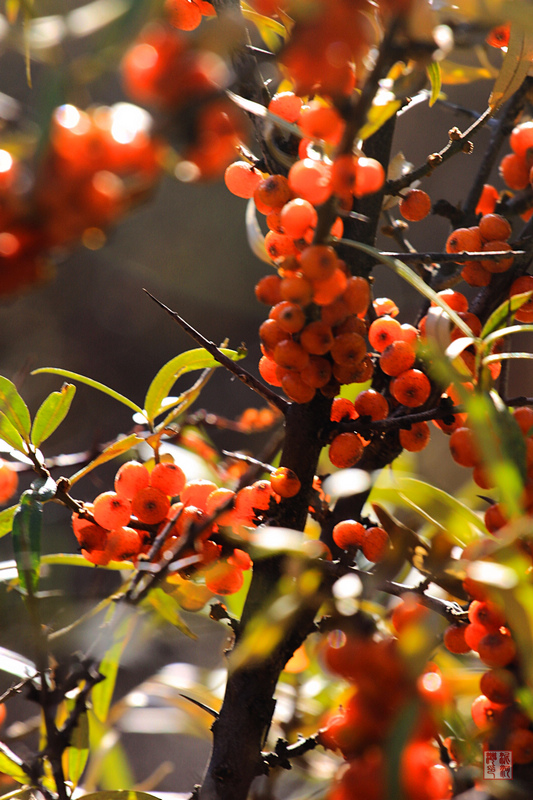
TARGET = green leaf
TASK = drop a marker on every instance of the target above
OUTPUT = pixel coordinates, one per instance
(103, 691)
(101, 387)
(412, 278)
(78, 751)
(378, 116)
(6, 520)
(515, 66)
(9, 434)
(27, 523)
(51, 413)
(504, 312)
(168, 608)
(12, 765)
(77, 560)
(505, 357)
(120, 795)
(454, 74)
(172, 370)
(16, 664)
(14, 408)
(112, 451)
(495, 335)
(435, 79)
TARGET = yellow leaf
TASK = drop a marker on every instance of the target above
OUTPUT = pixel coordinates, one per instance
(515, 65)
(456, 74)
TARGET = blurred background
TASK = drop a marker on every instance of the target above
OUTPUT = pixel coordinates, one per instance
(187, 245)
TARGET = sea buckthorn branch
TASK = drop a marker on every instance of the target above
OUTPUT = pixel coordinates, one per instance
(283, 751)
(246, 377)
(460, 258)
(394, 422)
(499, 134)
(455, 145)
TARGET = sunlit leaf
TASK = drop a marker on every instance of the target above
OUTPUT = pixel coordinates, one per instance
(108, 667)
(504, 313)
(6, 520)
(263, 23)
(263, 113)
(515, 67)
(435, 79)
(12, 765)
(26, 536)
(14, 408)
(167, 376)
(77, 560)
(10, 435)
(51, 413)
(378, 116)
(101, 387)
(16, 664)
(77, 753)
(112, 451)
(456, 74)
(120, 795)
(413, 279)
(168, 608)
(108, 766)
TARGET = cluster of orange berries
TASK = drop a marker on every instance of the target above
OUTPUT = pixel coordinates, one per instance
(489, 235)
(382, 687)
(516, 168)
(97, 164)
(496, 710)
(121, 525)
(372, 541)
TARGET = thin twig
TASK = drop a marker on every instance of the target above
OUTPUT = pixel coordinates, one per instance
(246, 377)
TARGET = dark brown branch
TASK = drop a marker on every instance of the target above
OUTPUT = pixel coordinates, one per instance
(246, 377)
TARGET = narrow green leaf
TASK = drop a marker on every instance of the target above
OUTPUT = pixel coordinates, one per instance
(412, 278)
(103, 691)
(435, 79)
(77, 560)
(51, 413)
(505, 357)
(10, 435)
(101, 387)
(78, 751)
(168, 608)
(120, 795)
(495, 335)
(262, 21)
(6, 520)
(169, 373)
(14, 408)
(27, 523)
(12, 765)
(114, 450)
(504, 312)
(108, 766)
(16, 664)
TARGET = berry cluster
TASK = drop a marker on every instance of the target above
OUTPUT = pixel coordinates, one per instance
(372, 541)
(382, 686)
(516, 168)
(490, 234)
(121, 525)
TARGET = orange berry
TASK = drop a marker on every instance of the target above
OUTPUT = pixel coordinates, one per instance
(223, 578)
(8, 481)
(483, 612)
(297, 217)
(320, 122)
(408, 612)
(375, 544)
(242, 179)
(357, 295)
(411, 388)
(286, 105)
(349, 533)
(328, 290)
(123, 544)
(455, 300)
(89, 536)
(416, 438)
(169, 478)
(343, 173)
(240, 558)
(150, 505)
(520, 286)
(279, 245)
(369, 176)
(268, 371)
(183, 14)
(521, 139)
(383, 332)
(514, 170)
(454, 639)
(131, 477)
(494, 227)
(498, 685)
(397, 357)
(289, 316)
(520, 742)
(415, 205)
(499, 36)
(318, 262)
(196, 492)
(273, 221)
(494, 265)
(384, 306)
(464, 240)
(348, 349)
(485, 713)
(494, 518)
(217, 499)
(296, 289)
(524, 418)
(290, 355)
(497, 649)
(296, 389)
(268, 290)
(317, 373)
(475, 274)
(273, 192)
(316, 338)
(271, 334)
(111, 510)
(311, 180)
(342, 408)
(463, 447)
(285, 482)
(345, 450)
(371, 403)
(488, 199)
